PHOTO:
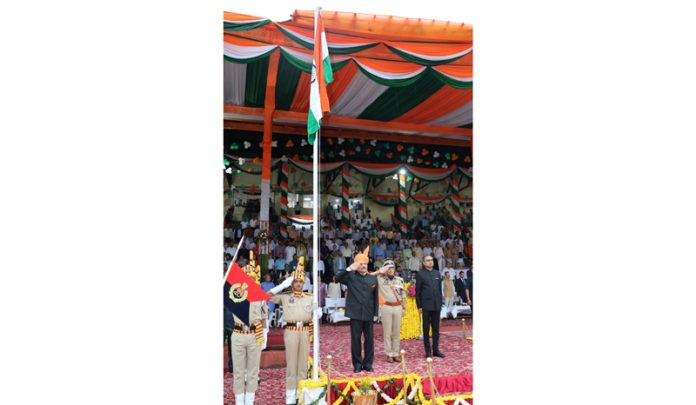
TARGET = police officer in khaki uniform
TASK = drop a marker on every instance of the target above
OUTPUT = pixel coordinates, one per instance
(246, 344)
(297, 312)
(391, 288)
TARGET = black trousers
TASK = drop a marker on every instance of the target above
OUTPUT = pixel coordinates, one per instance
(431, 318)
(357, 329)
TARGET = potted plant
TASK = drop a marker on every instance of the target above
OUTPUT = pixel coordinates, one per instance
(365, 395)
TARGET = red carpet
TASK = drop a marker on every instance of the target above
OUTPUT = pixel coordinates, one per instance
(453, 373)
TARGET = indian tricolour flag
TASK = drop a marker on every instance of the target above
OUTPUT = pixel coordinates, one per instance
(322, 75)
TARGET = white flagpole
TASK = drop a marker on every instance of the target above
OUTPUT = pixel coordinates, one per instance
(234, 259)
(315, 251)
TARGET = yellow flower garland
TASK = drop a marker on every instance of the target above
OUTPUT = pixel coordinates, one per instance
(410, 323)
(412, 380)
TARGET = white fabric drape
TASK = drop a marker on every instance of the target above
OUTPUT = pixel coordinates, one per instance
(461, 116)
(235, 82)
(433, 58)
(393, 75)
(359, 94)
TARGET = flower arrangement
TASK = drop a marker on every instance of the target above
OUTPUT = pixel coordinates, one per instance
(364, 385)
(365, 395)
(412, 290)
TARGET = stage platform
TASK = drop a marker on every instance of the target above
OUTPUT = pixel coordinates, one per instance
(454, 372)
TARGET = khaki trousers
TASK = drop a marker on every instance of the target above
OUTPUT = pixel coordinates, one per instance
(296, 353)
(391, 324)
(246, 355)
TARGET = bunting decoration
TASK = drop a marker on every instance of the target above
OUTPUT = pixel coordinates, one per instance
(284, 198)
(345, 208)
(403, 213)
(455, 210)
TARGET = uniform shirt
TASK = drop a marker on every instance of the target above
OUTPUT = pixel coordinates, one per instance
(295, 308)
(258, 311)
(388, 286)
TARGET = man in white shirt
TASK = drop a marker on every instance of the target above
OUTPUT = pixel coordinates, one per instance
(427, 250)
(417, 251)
(414, 263)
(232, 249)
(253, 223)
(320, 268)
(290, 251)
(347, 254)
(407, 254)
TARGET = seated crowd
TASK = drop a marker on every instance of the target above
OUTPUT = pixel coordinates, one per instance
(430, 233)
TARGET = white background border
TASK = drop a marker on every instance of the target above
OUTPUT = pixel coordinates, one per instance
(111, 218)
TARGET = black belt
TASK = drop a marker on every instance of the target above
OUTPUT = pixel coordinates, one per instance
(300, 324)
(245, 328)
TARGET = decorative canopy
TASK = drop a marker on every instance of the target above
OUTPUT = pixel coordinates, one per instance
(393, 77)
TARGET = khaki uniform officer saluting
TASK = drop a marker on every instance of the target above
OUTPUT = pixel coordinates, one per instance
(297, 312)
(246, 344)
(391, 288)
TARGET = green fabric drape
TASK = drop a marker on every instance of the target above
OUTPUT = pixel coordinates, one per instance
(230, 26)
(397, 101)
(249, 60)
(255, 91)
(332, 50)
(419, 60)
(307, 66)
(457, 84)
(288, 77)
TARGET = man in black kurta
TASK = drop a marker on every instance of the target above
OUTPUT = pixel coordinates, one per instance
(429, 303)
(361, 308)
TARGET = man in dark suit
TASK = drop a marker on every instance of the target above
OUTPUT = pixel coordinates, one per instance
(460, 286)
(361, 308)
(429, 302)
(470, 289)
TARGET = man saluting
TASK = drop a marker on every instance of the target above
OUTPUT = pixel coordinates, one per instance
(361, 308)
(391, 288)
(297, 311)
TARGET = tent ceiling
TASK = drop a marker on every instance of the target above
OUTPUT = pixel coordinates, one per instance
(412, 76)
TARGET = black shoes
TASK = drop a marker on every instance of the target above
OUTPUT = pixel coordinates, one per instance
(427, 355)
(439, 354)
(357, 370)
(368, 369)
